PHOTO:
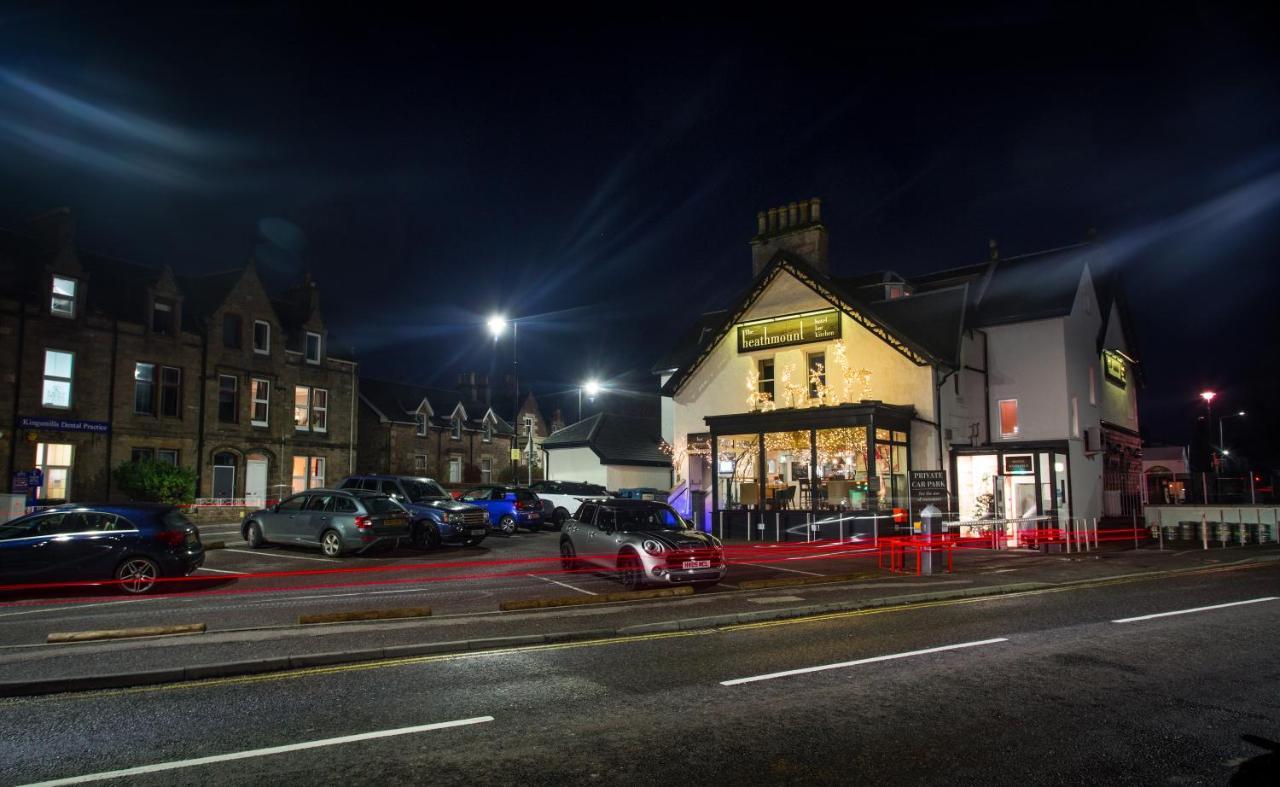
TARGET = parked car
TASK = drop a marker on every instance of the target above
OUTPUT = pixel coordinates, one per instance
(338, 521)
(509, 507)
(643, 541)
(135, 544)
(561, 498)
(437, 517)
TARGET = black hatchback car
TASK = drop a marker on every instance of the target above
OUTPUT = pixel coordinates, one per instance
(131, 546)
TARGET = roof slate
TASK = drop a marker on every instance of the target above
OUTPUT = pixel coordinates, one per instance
(616, 439)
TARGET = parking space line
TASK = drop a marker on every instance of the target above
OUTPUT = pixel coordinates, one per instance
(243, 755)
(276, 554)
(563, 585)
(56, 608)
(858, 662)
(780, 568)
(221, 571)
(1197, 609)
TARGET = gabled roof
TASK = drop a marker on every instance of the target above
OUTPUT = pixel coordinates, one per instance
(1033, 286)
(934, 318)
(616, 439)
(835, 293)
(400, 402)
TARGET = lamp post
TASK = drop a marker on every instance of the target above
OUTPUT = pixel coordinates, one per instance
(592, 387)
(497, 325)
(1207, 396)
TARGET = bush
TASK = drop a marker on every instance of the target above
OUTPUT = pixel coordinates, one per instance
(156, 482)
(470, 474)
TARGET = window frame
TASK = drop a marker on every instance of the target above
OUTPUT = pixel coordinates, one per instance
(166, 305)
(320, 425)
(266, 348)
(254, 401)
(486, 470)
(73, 298)
(488, 431)
(808, 371)
(177, 456)
(420, 421)
(176, 387)
(43, 464)
(137, 386)
(305, 424)
(1000, 415)
(45, 377)
(306, 347)
(455, 428)
(142, 453)
(762, 381)
(235, 399)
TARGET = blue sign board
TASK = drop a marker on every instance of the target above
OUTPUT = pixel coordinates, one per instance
(64, 425)
(27, 481)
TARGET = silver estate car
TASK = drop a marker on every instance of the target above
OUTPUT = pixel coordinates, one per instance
(643, 541)
(338, 521)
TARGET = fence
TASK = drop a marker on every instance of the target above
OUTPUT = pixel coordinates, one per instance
(1208, 488)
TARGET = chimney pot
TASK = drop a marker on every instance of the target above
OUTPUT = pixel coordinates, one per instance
(804, 212)
(793, 215)
(993, 249)
(761, 223)
(773, 219)
(815, 208)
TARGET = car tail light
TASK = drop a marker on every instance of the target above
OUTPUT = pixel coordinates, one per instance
(899, 516)
(173, 538)
(363, 522)
(527, 506)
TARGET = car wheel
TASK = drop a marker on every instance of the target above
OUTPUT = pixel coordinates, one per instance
(425, 536)
(331, 543)
(253, 535)
(558, 517)
(137, 575)
(507, 525)
(568, 557)
(630, 572)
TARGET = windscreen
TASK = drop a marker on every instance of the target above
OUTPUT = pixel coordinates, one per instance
(647, 518)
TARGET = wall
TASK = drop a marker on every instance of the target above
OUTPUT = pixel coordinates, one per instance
(1026, 361)
(1119, 405)
(627, 477)
(576, 464)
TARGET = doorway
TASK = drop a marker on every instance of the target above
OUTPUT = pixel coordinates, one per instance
(255, 480)
(224, 475)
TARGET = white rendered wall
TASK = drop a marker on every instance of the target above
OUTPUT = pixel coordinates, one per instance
(575, 464)
(628, 477)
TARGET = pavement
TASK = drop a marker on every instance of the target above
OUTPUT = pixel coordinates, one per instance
(250, 617)
(1163, 679)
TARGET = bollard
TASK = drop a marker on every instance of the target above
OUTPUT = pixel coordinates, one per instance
(777, 527)
(1204, 531)
(722, 525)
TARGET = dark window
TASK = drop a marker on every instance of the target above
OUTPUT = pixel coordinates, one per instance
(231, 330)
(144, 388)
(765, 383)
(605, 520)
(171, 391)
(370, 484)
(168, 456)
(293, 504)
(313, 347)
(586, 513)
(318, 502)
(161, 316)
(350, 483)
(261, 337)
(141, 454)
(341, 504)
(391, 489)
(228, 399)
(381, 505)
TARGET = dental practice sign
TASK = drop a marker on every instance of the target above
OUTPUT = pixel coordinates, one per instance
(820, 326)
(63, 425)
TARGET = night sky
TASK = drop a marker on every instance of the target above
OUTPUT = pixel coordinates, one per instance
(601, 181)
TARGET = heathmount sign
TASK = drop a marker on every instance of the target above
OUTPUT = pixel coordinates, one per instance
(785, 331)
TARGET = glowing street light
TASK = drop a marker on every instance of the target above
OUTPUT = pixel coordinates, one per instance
(1208, 396)
(497, 325)
(593, 389)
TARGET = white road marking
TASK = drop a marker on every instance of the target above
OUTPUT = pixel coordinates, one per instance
(872, 660)
(829, 554)
(563, 584)
(221, 571)
(1197, 609)
(244, 755)
(780, 568)
(277, 554)
(56, 608)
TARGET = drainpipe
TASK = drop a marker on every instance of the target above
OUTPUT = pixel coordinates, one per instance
(111, 395)
(986, 384)
(200, 387)
(351, 444)
(17, 385)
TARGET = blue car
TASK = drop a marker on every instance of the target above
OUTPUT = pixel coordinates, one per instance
(437, 518)
(509, 507)
(130, 546)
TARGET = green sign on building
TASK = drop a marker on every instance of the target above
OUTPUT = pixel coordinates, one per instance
(804, 328)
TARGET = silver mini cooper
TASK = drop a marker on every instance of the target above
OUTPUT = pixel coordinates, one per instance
(642, 541)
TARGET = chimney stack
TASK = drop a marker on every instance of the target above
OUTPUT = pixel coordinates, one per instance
(993, 250)
(796, 228)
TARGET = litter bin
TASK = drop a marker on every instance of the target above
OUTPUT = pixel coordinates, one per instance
(1187, 530)
(1170, 532)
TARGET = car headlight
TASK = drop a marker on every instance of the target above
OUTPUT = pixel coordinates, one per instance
(652, 547)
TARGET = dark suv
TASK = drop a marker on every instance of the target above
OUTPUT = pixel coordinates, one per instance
(437, 518)
(134, 544)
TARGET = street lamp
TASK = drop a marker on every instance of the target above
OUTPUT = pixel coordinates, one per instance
(497, 325)
(593, 388)
(1222, 443)
(1207, 396)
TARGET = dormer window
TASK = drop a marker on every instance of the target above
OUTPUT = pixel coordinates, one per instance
(313, 347)
(488, 430)
(261, 337)
(895, 291)
(62, 303)
(455, 428)
(161, 316)
(421, 420)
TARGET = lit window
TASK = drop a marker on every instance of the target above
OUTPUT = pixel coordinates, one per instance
(63, 300)
(261, 394)
(455, 469)
(261, 337)
(313, 347)
(1008, 417)
(54, 460)
(57, 379)
(421, 420)
(765, 382)
(308, 473)
(301, 408)
(817, 373)
(144, 388)
(228, 399)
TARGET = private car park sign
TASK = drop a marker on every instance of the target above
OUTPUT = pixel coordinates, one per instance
(928, 488)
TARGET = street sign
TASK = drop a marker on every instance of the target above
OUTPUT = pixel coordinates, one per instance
(928, 487)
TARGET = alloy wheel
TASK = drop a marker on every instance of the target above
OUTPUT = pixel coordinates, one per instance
(508, 525)
(331, 543)
(137, 575)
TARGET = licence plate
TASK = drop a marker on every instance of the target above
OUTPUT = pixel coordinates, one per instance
(535, 516)
(477, 532)
(393, 523)
(697, 564)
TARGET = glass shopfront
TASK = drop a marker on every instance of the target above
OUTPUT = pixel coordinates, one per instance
(1031, 484)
